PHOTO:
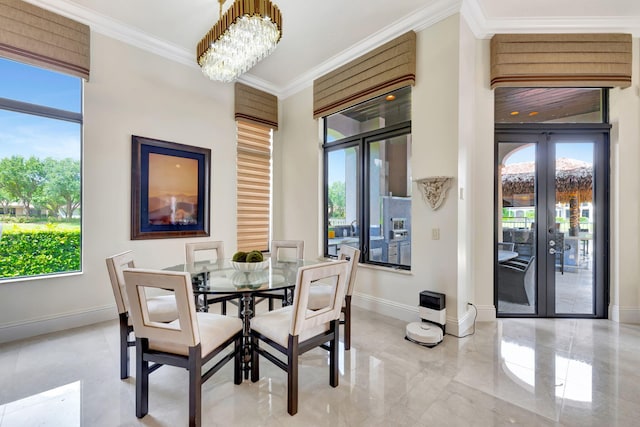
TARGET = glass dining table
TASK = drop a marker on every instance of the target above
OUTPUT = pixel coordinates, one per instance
(223, 278)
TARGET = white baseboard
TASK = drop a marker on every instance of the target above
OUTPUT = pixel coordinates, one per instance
(45, 325)
(625, 314)
(486, 313)
(408, 313)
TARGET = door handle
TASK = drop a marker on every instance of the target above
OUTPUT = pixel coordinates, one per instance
(552, 243)
(552, 251)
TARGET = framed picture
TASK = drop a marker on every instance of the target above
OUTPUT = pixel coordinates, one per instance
(169, 189)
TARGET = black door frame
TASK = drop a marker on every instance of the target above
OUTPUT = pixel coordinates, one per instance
(601, 263)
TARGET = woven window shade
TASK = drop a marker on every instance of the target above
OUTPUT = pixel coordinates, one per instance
(561, 60)
(384, 69)
(253, 186)
(256, 106)
(42, 38)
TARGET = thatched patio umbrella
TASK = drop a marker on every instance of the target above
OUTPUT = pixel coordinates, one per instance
(574, 184)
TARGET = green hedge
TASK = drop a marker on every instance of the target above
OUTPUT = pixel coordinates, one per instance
(28, 253)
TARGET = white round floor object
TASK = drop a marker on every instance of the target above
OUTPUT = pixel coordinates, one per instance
(424, 333)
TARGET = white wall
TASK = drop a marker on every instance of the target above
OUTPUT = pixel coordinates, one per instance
(625, 196)
(435, 129)
(466, 153)
(130, 92)
(297, 166)
(483, 187)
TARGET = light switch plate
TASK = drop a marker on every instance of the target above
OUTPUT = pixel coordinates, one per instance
(435, 234)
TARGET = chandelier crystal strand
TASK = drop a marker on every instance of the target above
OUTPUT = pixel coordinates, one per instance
(248, 32)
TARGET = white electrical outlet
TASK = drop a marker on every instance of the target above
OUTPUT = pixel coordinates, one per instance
(435, 234)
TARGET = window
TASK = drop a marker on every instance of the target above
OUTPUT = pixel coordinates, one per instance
(254, 186)
(40, 171)
(367, 154)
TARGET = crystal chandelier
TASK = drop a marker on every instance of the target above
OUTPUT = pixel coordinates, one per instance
(248, 32)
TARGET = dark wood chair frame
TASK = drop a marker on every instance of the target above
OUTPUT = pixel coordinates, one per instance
(192, 363)
(346, 310)
(328, 340)
(125, 330)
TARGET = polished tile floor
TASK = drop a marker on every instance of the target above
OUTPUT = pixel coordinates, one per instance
(524, 372)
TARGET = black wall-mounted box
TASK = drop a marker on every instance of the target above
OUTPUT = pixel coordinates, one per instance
(432, 300)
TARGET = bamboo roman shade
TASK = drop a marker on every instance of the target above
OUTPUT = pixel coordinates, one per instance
(256, 106)
(384, 69)
(42, 38)
(561, 60)
(253, 186)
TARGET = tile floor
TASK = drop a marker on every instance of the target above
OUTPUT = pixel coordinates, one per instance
(525, 372)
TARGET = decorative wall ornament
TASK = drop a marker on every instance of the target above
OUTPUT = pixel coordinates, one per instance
(434, 189)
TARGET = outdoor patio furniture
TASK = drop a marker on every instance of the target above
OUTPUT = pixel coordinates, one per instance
(516, 281)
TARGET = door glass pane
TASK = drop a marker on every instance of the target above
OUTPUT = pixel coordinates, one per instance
(390, 201)
(517, 233)
(342, 206)
(574, 228)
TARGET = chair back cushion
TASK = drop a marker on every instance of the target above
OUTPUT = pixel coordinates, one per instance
(185, 331)
(192, 248)
(352, 255)
(298, 245)
(115, 265)
(303, 317)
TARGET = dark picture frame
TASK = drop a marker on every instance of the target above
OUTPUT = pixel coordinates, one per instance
(169, 189)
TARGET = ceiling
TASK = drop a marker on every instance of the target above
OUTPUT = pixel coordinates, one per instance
(319, 36)
(537, 105)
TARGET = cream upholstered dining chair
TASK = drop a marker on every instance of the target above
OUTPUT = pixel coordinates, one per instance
(161, 307)
(212, 251)
(188, 342)
(320, 294)
(295, 329)
(281, 249)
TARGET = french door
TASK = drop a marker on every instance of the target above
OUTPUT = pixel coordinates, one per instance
(551, 221)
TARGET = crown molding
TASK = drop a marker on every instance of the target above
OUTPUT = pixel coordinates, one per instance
(471, 10)
(416, 21)
(258, 83)
(117, 30)
(475, 17)
(485, 28)
(564, 24)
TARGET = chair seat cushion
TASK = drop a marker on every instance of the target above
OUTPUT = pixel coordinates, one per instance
(320, 296)
(214, 329)
(276, 326)
(162, 308)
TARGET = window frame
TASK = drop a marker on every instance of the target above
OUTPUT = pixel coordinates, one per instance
(362, 141)
(21, 107)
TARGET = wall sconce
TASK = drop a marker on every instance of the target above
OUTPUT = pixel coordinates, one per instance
(434, 189)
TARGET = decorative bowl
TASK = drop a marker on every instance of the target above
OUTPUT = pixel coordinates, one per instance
(250, 266)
